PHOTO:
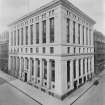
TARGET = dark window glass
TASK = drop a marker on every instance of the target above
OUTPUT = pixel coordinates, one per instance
(44, 50)
(52, 70)
(68, 30)
(79, 33)
(86, 36)
(45, 69)
(79, 67)
(44, 31)
(18, 37)
(37, 33)
(51, 49)
(83, 35)
(21, 36)
(26, 35)
(73, 31)
(52, 30)
(31, 32)
(83, 66)
(14, 37)
(68, 71)
(74, 71)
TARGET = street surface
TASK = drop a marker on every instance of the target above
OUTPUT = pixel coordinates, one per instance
(95, 95)
(11, 96)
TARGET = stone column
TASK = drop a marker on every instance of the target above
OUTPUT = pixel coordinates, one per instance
(60, 77)
(71, 75)
(24, 35)
(48, 74)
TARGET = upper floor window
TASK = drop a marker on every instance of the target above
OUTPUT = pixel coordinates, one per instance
(44, 31)
(86, 36)
(21, 36)
(79, 33)
(26, 35)
(37, 50)
(68, 30)
(37, 32)
(52, 30)
(18, 37)
(31, 32)
(31, 50)
(44, 50)
(83, 35)
(73, 31)
(51, 49)
(15, 37)
(68, 50)
(90, 36)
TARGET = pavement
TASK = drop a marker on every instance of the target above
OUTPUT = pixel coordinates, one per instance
(41, 97)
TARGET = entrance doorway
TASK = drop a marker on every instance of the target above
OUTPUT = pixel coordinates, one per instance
(25, 78)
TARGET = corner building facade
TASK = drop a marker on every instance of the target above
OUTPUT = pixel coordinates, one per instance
(52, 48)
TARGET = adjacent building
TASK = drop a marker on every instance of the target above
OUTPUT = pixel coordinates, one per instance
(99, 51)
(52, 48)
(4, 40)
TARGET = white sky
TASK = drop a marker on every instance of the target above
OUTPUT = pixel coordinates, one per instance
(10, 10)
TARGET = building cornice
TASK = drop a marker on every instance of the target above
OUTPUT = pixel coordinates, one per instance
(52, 4)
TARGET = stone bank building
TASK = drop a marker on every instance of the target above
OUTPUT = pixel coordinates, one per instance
(52, 48)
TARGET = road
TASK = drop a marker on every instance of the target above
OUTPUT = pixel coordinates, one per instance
(11, 96)
(95, 95)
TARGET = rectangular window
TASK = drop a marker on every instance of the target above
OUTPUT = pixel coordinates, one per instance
(83, 35)
(44, 31)
(11, 38)
(18, 37)
(31, 32)
(51, 50)
(45, 69)
(79, 67)
(14, 37)
(37, 33)
(21, 36)
(86, 36)
(26, 35)
(68, 31)
(79, 33)
(52, 30)
(74, 67)
(31, 50)
(83, 66)
(87, 65)
(68, 71)
(73, 31)
(44, 50)
(38, 67)
(52, 70)
(37, 50)
(68, 50)
(90, 36)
